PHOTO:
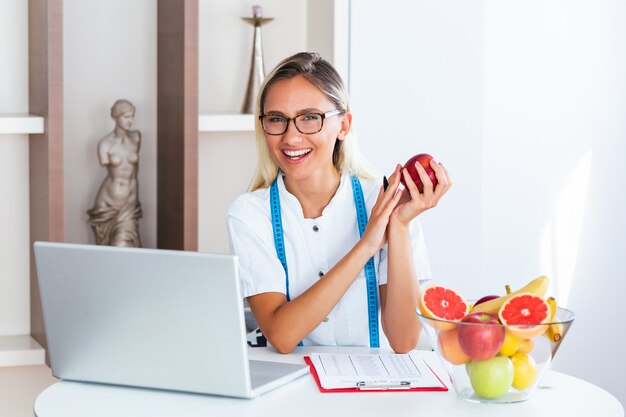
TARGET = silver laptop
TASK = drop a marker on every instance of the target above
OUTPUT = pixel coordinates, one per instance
(150, 318)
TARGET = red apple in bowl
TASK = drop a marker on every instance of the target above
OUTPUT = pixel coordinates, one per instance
(480, 335)
(424, 160)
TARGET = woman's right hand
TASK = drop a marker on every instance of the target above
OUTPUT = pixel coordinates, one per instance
(375, 232)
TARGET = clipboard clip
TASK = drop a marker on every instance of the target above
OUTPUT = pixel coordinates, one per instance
(378, 386)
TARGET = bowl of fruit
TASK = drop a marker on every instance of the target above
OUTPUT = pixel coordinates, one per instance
(496, 349)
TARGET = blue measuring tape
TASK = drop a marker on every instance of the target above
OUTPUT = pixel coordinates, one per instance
(277, 229)
(370, 271)
(279, 240)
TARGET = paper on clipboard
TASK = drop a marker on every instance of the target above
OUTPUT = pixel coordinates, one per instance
(374, 372)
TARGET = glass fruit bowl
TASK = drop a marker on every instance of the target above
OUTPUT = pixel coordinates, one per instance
(496, 363)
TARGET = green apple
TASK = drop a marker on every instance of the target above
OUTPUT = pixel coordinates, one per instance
(491, 378)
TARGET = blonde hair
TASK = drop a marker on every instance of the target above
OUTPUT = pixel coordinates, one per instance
(319, 72)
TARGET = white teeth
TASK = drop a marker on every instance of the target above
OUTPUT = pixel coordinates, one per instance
(293, 154)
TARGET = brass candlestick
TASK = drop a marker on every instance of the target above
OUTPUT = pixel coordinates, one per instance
(257, 69)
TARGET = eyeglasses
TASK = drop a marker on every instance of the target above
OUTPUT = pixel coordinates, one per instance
(306, 123)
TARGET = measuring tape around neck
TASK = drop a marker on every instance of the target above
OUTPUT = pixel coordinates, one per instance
(370, 272)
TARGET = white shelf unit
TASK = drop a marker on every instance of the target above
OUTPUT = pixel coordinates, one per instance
(21, 124)
(230, 130)
(20, 350)
(226, 123)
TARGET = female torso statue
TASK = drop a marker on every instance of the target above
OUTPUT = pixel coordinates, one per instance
(117, 210)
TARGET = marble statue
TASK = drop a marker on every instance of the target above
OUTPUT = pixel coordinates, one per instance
(117, 210)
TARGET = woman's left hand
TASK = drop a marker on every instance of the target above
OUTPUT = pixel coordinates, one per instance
(413, 203)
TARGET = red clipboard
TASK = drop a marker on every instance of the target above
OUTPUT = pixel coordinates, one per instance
(307, 359)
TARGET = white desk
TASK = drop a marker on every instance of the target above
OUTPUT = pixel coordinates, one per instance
(563, 395)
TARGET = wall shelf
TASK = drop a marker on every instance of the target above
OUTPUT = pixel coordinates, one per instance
(20, 351)
(226, 123)
(21, 124)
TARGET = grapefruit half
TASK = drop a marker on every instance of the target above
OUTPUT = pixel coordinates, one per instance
(525, 315)
(442, 303)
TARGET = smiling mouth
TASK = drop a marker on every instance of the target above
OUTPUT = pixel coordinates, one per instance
(296, 155)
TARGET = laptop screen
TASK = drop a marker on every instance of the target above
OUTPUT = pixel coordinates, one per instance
(144, 317)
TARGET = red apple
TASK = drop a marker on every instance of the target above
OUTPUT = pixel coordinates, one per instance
(480, 335)
(424, 160)
(486, 298)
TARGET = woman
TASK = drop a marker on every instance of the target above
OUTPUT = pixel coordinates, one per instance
(305, 259)
(117, 210)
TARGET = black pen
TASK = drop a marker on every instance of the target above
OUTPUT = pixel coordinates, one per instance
(385, 183)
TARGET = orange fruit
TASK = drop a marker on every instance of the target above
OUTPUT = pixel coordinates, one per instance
(525, 315)
(448, 342)
(442, 303)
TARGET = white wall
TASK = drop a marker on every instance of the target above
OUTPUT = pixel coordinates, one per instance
(14, 183)
(555, 130)
(525, 104)
(416, 83)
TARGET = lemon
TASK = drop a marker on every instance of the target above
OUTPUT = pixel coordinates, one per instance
(526, 346)
(524, 370)
(510, 345)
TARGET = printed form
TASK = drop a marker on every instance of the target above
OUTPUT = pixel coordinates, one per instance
(375, 371)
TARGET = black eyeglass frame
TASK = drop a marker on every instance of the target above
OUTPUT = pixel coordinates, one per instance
(330, 113)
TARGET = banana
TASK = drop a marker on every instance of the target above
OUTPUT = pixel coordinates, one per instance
(555, 330)
(537, 286)
(552, 303)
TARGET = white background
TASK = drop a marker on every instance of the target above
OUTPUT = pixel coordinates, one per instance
(523, 102)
